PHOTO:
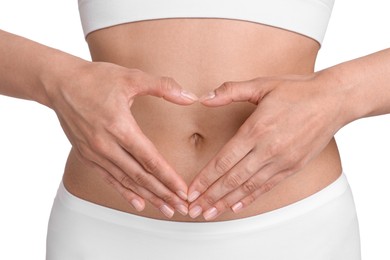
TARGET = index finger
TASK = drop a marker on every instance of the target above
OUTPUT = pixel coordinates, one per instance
(232, 153)
(132, 139)
(166, 88)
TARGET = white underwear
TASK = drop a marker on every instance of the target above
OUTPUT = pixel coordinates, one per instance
(323, 226)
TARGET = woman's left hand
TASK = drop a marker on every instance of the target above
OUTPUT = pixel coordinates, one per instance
(295, 118)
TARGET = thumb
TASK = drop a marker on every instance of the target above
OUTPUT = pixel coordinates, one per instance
(241, 91)
(168, 89)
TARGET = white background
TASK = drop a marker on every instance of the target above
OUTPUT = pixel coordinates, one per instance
(33, 147)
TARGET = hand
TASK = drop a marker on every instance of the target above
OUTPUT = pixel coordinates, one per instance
(93, 107)
(295, 118)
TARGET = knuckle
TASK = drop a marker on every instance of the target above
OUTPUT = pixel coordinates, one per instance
(289, 161)
(223, 164)
(245, 130)
(227, 87)
(295, 164)
(151, 165)
(118, 129)
(126, 182)
(273, 149)
(249, 186)
(99, 145)
(166, 84)
(140, 179)
(284, 175)
(108, 179)
(232, 181)
(209, 200)
(266, 187)
(291, 157)
(204, 181)
(224, 204)
(168, 198)
(256, 130)
(250, 168)
(251, 198)
(133, 81)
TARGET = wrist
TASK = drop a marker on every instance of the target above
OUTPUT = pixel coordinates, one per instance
(342, 87)
(57, 72)
(363, 84)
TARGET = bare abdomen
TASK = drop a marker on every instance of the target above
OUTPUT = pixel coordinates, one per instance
(200, 55)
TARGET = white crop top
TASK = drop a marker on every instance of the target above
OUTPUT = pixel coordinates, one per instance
(307, 17)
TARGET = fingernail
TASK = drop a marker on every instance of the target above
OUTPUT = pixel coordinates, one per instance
(182, 210)
(182, 194)
(210, 213)
(137, 204)
(209, 96)
(236, 207)
(193, 196)
(189, 95)
(167, 211)
(195, 211)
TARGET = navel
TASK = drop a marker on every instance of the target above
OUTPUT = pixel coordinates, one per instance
(196, 139)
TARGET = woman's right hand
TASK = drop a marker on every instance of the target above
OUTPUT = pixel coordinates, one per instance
(93, 106)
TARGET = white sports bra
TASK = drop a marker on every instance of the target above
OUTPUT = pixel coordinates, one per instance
(307, 17)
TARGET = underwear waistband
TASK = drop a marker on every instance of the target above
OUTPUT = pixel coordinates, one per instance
(249, 224)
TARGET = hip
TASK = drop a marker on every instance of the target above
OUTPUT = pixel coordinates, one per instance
(85, 183)
(321, 226)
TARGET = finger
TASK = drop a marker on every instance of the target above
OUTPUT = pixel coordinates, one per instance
(246, 188)
(132, 176)
(127, 194)
(166, 88)
(251, 91)
(130, 138)
(266, 187)
(105, 168)
(131, 197)
(236, 149)
(229, 202)
(233, 179)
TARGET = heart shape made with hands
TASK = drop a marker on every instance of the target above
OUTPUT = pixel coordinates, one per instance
(252, 147)
(211, 126)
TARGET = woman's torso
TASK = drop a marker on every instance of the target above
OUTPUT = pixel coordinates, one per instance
(201, 54)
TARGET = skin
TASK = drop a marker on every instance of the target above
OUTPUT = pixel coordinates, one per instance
(189, 137)
(96, 119)
(279, 142)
